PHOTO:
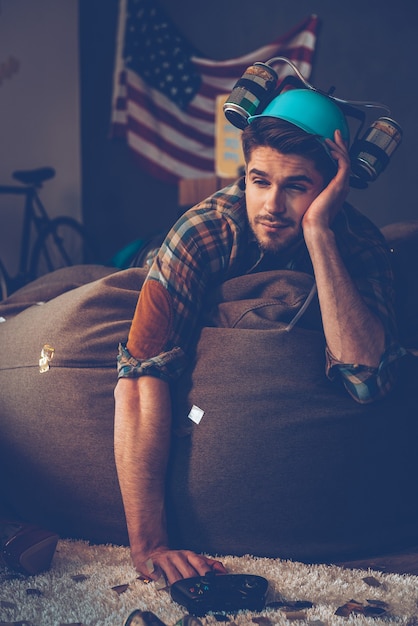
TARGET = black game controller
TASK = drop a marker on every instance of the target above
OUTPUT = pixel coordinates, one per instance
(220, 592)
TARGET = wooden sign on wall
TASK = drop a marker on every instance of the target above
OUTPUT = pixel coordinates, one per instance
(229, 158)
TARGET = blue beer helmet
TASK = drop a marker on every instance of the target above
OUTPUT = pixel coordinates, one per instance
(310, 110)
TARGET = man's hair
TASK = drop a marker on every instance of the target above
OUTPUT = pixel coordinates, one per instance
(288, 139)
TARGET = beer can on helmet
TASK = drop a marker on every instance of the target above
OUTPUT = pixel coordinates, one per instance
(371, 153)
(250, 93)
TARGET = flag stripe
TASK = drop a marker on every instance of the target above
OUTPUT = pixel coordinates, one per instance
(156, 106)
(169, 141)
(151, 101)
(162, 166)
(172, 142)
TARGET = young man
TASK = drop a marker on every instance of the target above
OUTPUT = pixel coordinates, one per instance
(288, 213)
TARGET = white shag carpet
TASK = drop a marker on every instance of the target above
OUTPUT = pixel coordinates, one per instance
(98, 586)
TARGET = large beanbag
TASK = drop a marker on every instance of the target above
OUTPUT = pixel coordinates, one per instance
(283, 462)
(56, 427)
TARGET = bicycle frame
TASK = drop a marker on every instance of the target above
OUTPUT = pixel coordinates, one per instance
(45, 244)
(32, 204)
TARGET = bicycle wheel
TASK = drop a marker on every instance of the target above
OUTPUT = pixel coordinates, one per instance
(63, 242)
(3, 282)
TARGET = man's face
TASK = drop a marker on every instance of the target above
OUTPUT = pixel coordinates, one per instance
(279, 190)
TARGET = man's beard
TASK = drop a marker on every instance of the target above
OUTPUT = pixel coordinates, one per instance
(277, 246)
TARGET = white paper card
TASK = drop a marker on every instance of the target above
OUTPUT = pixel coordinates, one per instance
(196, 414)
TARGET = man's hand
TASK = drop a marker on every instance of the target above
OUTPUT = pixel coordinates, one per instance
(176, 564)
(326, 205)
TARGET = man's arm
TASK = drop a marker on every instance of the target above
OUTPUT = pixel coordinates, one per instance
(353, 333)
(142, 442)
(162, 329)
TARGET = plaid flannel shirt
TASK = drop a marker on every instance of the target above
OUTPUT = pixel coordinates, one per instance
(212, 242)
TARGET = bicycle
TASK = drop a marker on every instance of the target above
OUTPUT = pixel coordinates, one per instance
(59, 242)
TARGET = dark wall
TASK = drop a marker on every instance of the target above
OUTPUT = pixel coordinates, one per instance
(367, 49)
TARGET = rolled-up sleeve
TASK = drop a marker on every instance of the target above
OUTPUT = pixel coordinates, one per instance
(366, 384)
(167, 365)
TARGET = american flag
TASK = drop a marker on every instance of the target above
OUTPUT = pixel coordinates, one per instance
(164, 94)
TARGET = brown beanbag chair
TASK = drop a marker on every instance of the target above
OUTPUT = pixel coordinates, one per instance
(283, 462)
